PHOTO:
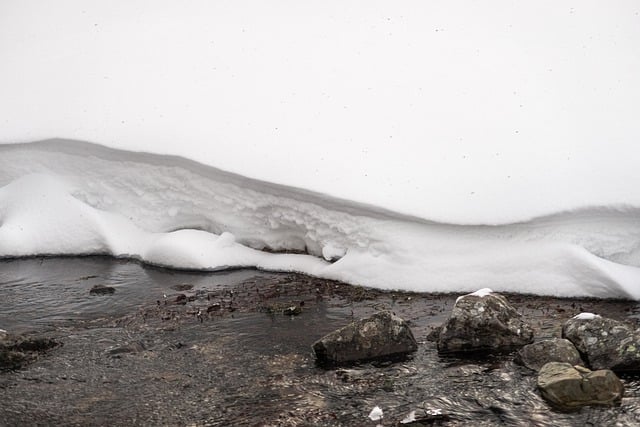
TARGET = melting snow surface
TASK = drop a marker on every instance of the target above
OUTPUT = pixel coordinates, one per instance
(66, 198)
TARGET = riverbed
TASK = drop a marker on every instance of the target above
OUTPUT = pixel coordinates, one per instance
(221, 349)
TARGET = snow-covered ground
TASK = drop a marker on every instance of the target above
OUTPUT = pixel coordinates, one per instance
(69, 197)
(466, 112)
(498, 141)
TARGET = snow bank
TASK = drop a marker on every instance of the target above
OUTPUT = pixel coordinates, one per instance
(65, 197)
(467, 112)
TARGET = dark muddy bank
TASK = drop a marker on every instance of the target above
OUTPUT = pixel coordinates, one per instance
(169, 348)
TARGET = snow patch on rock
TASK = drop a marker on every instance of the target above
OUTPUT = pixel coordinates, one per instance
(586, 316)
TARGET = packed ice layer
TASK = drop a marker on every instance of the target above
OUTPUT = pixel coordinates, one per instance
(70, 198)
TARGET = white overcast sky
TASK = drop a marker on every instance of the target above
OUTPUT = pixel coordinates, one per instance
(464, 111)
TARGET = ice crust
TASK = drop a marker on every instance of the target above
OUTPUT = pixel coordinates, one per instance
(67, 198)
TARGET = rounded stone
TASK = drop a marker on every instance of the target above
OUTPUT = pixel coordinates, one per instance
(570, 387)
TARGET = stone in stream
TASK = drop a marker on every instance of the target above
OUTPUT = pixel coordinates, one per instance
(425, 417)
(102, 290)
(483, 321)
(132, 347)
(382, 335)
(11, 359)
(292, 310)
(535, 356)
(605, 343)
(214, 307)
(570, 387)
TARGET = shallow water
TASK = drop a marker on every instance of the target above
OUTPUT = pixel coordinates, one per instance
(40, 292)
(245, 365)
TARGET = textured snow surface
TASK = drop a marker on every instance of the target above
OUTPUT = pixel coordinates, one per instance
(67, 197)
(461, 112)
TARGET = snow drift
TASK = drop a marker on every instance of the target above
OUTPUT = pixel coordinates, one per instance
(62, 197)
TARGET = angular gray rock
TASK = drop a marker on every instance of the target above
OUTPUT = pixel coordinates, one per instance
(535, 356)
(381, 335)
(570, 387)
(483, 321)
(604, 343)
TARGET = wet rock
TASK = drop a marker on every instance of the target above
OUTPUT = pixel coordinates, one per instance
(132, 347)
(182, 287)
(381, 335)
(569, 387)
(102, 290)
(605, 343)
(36, 344)
(10, 359)
(292, 310)
(483, 321)
(434, 334)
(15, 352)
(535, 356)
(214, 307)
(286, 308)
(180, 299)
(425, 417)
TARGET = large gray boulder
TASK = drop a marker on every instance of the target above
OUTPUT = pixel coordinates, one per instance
(570, 387)
(535, 356)
(483, 321)
(382, 335)
(605, 343)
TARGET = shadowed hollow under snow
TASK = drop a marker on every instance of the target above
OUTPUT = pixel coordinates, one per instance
(68, 197)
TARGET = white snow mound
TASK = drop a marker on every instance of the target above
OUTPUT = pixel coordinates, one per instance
(66, 198)
(586, 316)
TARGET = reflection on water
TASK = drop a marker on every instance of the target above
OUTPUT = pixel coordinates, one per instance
(43, 291)
(251, 367)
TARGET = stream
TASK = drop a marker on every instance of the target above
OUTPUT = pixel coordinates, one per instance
(217, 349)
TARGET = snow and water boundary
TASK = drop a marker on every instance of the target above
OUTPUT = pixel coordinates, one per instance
(61, 197)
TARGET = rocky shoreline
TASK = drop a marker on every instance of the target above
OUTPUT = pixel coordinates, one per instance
(484, 323)
(241, 354)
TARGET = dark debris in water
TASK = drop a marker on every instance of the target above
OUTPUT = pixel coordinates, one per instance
(17, 352)
(102, 290)
(182, 287)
